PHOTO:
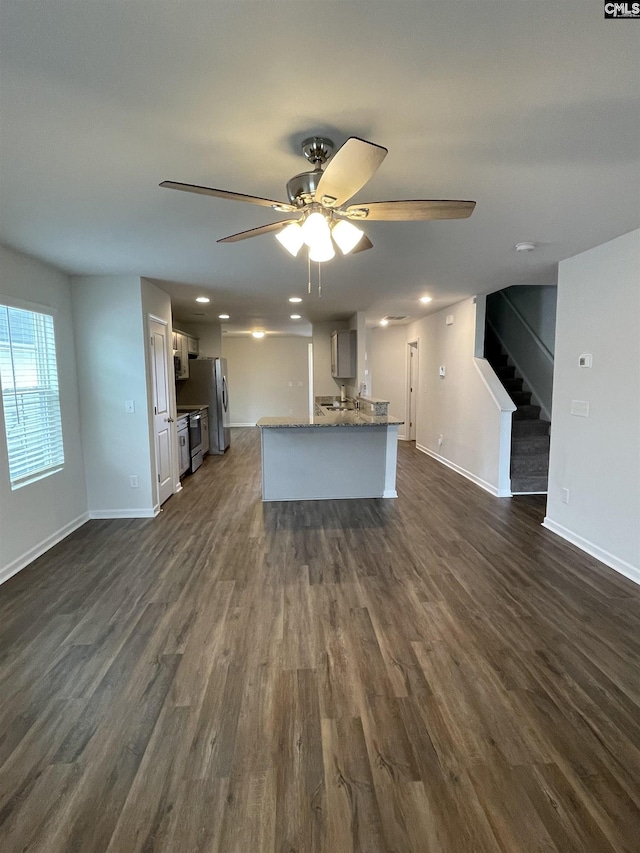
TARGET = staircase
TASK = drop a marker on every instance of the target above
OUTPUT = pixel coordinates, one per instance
(529, 433)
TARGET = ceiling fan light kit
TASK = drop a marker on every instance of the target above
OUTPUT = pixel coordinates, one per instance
(346, 235)
(291, 238)
(319, 196)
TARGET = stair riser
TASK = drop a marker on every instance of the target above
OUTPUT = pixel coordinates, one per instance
(521, 398)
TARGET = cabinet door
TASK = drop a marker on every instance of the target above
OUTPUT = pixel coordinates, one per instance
(194, 345)
(182, 349)
(344, 354)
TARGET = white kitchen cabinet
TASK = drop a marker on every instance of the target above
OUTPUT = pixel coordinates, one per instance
(344, 354)
(193, 346)
(181, 350)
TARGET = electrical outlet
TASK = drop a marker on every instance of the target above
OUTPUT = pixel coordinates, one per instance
(130, 407)
(133, 481)
(564, 493)
(440, 440)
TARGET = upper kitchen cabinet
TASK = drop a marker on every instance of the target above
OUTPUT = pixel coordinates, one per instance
(193, 346)
(181, 355)
(344, 347)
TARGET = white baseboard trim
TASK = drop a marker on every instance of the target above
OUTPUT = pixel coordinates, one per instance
(38, 550)
(620, 566)
(474, 479)
(124, 513)
(389, 493)
(243, 425)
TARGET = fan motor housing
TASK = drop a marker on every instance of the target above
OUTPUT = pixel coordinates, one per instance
(301, 189)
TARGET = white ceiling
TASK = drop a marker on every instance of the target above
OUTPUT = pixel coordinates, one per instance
(530, 107)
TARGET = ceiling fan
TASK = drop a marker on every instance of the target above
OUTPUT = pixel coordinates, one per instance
(320, 196)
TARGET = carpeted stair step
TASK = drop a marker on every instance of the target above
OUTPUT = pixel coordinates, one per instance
(536, 483)
(526, 413)
(529, 464)
(505, 371)
(520, 398)
(522, 444)
(529, 427)
(512, 384)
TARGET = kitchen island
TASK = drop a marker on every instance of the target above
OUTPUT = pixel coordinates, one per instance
(334, 454)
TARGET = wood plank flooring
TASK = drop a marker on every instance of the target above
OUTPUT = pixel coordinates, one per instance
(435, 674)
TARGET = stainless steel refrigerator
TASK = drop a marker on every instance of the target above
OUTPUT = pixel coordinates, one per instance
(207, 386)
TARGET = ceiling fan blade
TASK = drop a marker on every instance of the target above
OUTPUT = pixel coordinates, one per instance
(252, 199)
(410, 211)
(363, 243)
(256, 232)
(348, 170)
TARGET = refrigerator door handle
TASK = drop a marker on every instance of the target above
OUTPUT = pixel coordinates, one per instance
(225, 393)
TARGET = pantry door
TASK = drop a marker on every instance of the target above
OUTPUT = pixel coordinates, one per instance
(162, 420)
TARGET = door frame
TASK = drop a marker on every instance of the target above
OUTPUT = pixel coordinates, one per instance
(411, 432)
(171, 400)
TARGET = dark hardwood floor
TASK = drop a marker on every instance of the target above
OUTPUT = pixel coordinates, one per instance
(436, 674)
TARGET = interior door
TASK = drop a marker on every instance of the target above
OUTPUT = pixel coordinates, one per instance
(162, 420)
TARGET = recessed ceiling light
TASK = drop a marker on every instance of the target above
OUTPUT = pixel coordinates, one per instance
(425, 299)
(223, 316)
(525, 247)
(295, 316)
(295, 299)
(202, 299)
(258, 334)
(384, 322)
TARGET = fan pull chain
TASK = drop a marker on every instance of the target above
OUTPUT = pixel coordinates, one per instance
(309, 274)
(319, 281)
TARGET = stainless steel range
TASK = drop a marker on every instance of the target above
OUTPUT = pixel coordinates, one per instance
(196, 448)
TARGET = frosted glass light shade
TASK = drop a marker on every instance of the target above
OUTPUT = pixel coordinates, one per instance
(322, 250)
(346, 235)
(291, 238)
(315, 230)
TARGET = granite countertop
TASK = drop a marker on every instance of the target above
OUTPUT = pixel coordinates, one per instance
(324, 418)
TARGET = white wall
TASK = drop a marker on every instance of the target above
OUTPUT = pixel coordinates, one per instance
(110, 345)
(38, 515)
(597, 458)
(260, 373)
(460, 407)
(388, 369)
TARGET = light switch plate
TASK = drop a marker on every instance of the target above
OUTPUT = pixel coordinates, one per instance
(130, 407)
(585, 360)
(580, 408)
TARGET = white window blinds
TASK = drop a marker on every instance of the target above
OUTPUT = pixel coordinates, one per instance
(30, 398)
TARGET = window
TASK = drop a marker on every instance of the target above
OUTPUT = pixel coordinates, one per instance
(30, 398)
